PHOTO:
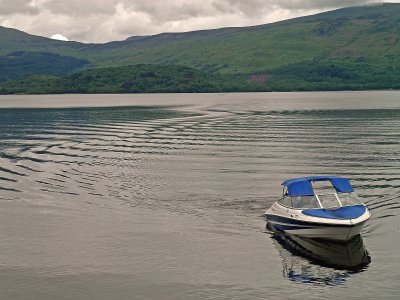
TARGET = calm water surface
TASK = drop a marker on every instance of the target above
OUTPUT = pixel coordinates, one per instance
(162, 196)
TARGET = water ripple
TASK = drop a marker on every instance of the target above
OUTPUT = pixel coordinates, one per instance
(230, 159)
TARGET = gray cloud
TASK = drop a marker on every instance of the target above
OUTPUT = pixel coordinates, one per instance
(106, 20)
(17, 6)
(320, 4)
(79, 7)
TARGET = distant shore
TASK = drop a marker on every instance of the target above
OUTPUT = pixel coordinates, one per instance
(147, 78)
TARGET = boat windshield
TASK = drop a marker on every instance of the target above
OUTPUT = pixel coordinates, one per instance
(298, 202)
(349, 199)
(328, 201)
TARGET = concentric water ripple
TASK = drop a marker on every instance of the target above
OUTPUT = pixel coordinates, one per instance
(141, 154)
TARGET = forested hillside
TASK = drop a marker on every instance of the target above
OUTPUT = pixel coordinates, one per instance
(349, 48)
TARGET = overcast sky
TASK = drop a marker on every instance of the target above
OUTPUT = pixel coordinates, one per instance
(107, 20)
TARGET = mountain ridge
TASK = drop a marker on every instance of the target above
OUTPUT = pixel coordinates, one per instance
(361, 43)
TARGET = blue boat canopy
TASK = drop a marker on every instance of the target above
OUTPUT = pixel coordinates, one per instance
(341, 213)
(302, 186)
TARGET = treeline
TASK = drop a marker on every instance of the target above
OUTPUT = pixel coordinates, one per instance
(130, 79)
(335, 75)
(305, 76)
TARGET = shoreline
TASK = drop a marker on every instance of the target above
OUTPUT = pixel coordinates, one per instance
(211, 93)
(276, 100)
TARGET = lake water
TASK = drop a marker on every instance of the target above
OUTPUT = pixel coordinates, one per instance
(162, 196)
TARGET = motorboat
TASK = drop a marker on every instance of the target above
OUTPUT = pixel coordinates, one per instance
(323, 207)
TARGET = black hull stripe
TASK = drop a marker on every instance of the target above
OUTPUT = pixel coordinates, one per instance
(288, 221)
(287, 227)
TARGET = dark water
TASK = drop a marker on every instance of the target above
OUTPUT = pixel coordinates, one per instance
(161, 196)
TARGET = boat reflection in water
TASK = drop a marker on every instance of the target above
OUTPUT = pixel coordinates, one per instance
(320, 262)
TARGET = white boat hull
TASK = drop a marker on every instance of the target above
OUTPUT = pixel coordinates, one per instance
(329, 233)
(292, 221)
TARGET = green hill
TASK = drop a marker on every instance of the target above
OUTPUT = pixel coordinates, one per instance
(361, 34)
(12, 40)
(22, 63)
(130, 79)
(354, 48)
